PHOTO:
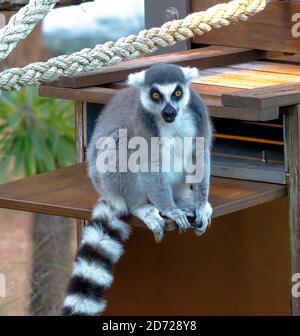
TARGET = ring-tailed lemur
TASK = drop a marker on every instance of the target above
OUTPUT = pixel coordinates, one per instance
(158, 103)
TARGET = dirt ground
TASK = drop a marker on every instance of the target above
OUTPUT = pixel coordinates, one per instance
(15, 261)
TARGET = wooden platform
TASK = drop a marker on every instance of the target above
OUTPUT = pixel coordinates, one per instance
(68, 192)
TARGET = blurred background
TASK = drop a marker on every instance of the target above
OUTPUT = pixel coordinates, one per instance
(36, 135)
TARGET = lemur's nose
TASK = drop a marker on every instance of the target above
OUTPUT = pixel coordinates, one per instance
(169, 113)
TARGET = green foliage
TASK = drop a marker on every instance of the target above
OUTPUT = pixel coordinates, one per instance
(36, 133)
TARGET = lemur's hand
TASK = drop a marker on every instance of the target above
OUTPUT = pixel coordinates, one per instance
(203, 218)
(180, 217)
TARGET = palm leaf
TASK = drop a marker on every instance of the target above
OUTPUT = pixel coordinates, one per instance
(36, 133)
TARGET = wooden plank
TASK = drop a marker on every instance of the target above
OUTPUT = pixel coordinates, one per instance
(101, 95)
(273, 67)
(240, 78)
(213, 91)
(216, 108)
(92, 94)
(202, 58)
(248, 139)
(265, 97)
(283, 57)
(268, 30)
(293, 139)
(68, 192)
(239, 267)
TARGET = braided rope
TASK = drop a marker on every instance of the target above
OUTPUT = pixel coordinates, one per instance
(22, 23)
(133, 46)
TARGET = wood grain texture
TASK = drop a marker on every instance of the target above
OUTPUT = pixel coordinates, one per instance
(201, 57)
(268, 30)
(293, 133)
(68, 192)
(95, 94)
(79, 131)
(265, 97)
(272, 67)
(243, 78)
(283, 57)
(80, 150)
(240, 266)
(212, 98)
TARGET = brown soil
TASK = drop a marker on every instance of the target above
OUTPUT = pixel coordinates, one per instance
(15, 261)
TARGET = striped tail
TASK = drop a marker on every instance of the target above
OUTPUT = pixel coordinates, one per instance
(100, 248)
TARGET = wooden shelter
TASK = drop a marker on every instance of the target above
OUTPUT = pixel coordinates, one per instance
(250, 80)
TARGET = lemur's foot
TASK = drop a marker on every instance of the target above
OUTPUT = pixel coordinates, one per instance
(151, 217)
(203, 218)
(180, 217)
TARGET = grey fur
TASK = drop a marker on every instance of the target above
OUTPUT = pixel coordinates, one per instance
(131, 109)
(147, 195)
(164, 73)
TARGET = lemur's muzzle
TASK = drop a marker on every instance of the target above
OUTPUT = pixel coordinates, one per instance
(169, 113)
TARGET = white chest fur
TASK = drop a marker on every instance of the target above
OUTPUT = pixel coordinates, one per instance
(176, 145)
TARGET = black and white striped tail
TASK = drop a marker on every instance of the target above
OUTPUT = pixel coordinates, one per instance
(100, 248)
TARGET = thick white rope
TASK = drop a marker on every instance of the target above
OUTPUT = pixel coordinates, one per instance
(133, 46)
(22, 23)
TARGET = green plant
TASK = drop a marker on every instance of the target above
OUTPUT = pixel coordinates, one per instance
(36, 133)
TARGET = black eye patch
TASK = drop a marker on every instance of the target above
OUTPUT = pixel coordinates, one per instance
(155, 95)
(178, 93)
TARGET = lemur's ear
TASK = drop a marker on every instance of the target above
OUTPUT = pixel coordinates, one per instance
(136, 79)
(190, 73)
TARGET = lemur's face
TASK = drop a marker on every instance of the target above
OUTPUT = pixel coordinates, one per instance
(164, 90)
(166, 101)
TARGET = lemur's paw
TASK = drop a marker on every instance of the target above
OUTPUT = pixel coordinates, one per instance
(188, 212)
(203, 218)
(155, 223)
(180, 217)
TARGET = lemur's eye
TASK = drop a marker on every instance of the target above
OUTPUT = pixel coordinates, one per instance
(155, 95)
(177, 94)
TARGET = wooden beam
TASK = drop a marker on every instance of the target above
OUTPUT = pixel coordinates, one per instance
(202, 58)
(92, 94)
(101, 95)
(264, 97)
(69, 192)
(293, 145)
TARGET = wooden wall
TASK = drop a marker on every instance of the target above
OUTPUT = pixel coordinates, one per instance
(268, 30)
(240, 266)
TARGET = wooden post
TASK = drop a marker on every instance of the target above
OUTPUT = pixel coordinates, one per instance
(86, 115)
(293, 138)
(80, 148)
(158, 12)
